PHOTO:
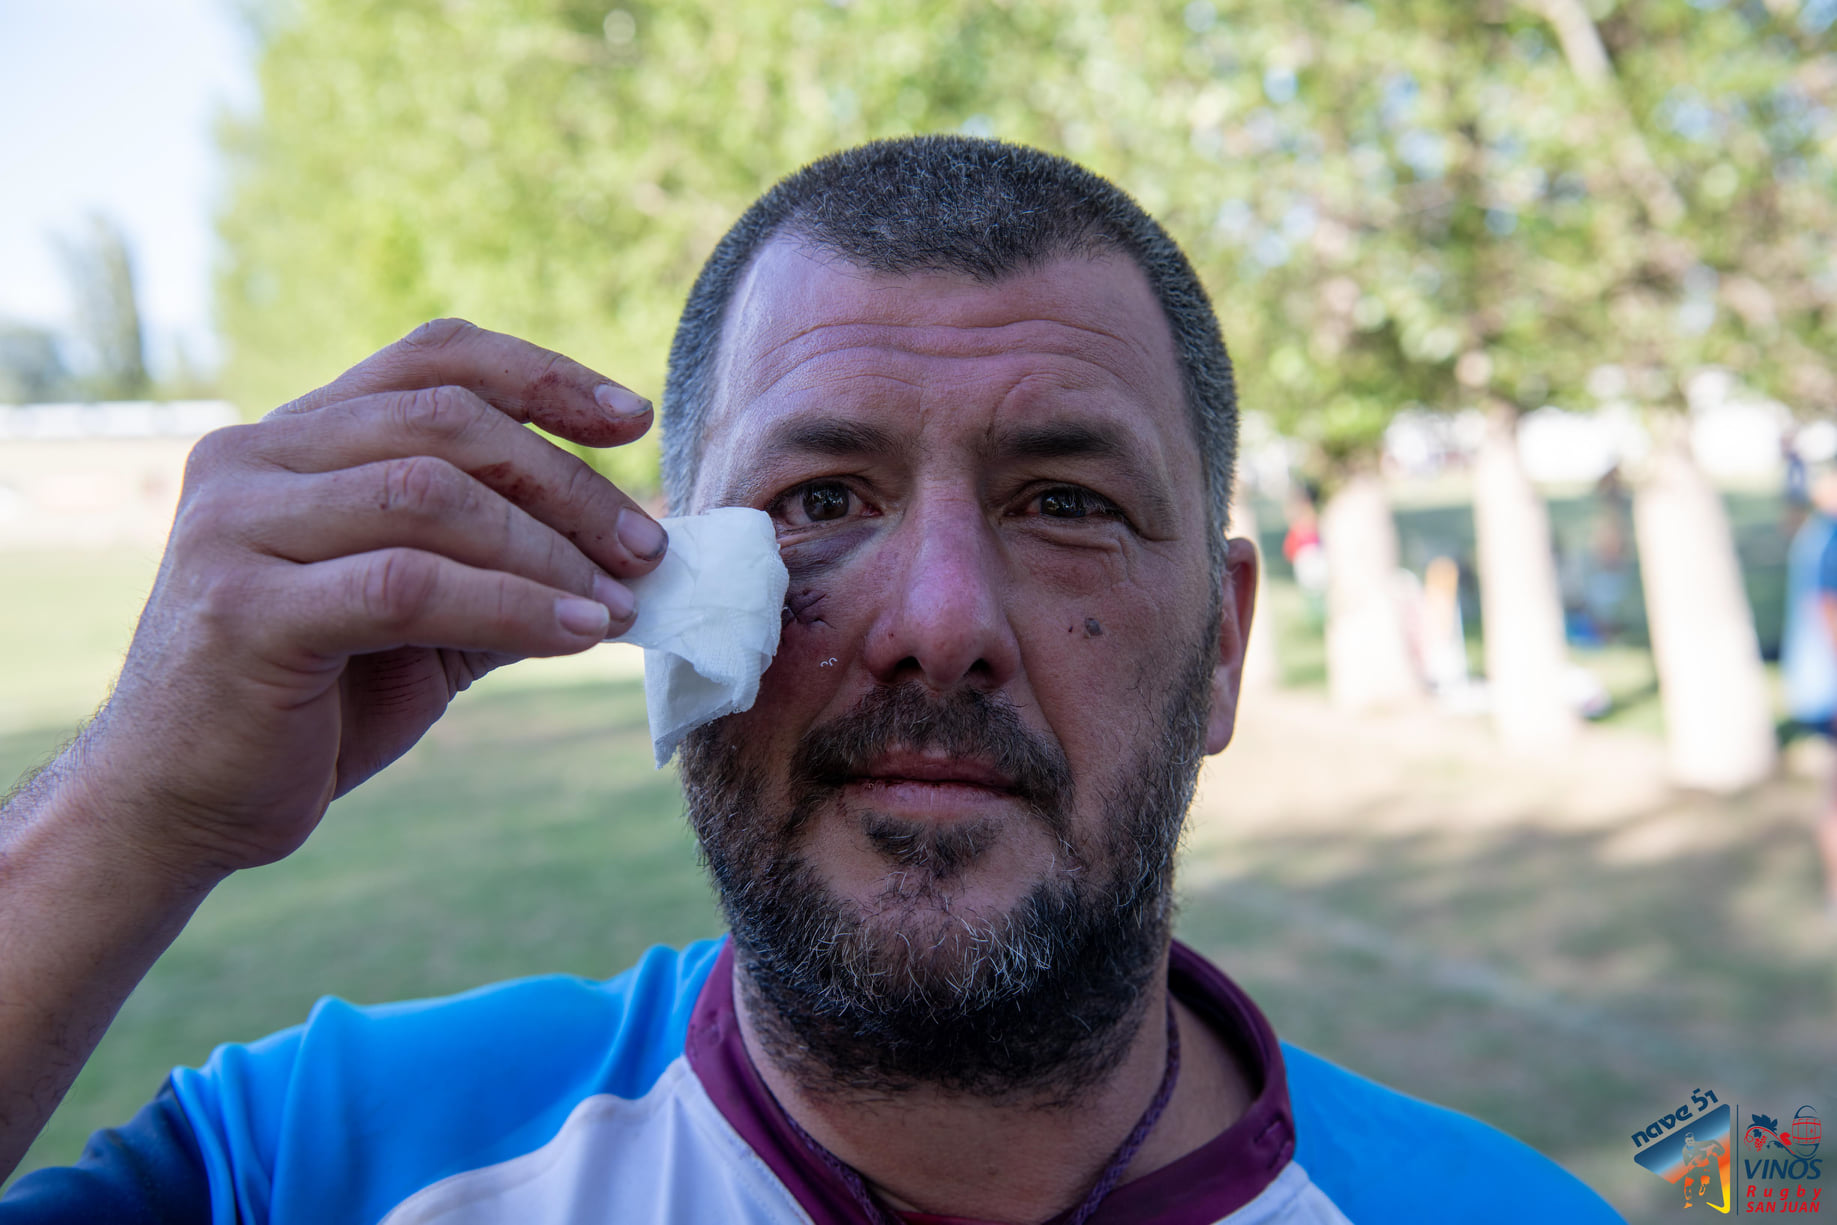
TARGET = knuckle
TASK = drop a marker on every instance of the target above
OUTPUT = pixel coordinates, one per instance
(436, 413)
(565, 566)
(509, 525)
(437, 334)
(396, 586)
(419, 485)
(201, 516)
(581, 485)
(222, 595)
(554, 368)
(506, 605)
(215, 452)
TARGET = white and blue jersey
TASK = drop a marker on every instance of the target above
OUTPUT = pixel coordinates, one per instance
(562, 1101)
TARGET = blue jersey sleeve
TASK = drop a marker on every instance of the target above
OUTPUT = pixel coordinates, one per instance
(1827, 567)
(343, 1117)
(1384, 1157)
(361, 1107)
(147, 1172)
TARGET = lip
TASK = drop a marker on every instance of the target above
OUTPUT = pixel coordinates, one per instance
(941, 789)
(899, 768)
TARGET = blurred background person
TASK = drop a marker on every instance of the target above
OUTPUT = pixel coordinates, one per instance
(1302, 548)
(1808, 653)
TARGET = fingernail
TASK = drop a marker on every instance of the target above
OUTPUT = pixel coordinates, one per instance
(640, 533)
(587, 618)
(621, 401)
(613, 597)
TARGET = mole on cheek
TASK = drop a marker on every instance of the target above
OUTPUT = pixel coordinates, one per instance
(1092, 629)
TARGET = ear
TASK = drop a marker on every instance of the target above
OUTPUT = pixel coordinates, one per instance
(1240, 601)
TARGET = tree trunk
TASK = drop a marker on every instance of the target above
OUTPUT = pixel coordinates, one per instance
(1368, 655)
(1262, 671)
(1521, 606)
(1718, 723)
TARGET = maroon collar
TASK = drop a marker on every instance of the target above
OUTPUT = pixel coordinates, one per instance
(1206, 1185)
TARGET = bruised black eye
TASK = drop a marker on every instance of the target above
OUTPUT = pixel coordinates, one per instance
(825, 502)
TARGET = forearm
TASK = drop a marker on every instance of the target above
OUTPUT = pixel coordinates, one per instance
(82, 918)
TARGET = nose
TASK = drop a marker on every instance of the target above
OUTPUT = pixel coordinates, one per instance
(944, 619)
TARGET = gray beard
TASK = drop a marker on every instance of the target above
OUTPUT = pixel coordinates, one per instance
(1041, 1001)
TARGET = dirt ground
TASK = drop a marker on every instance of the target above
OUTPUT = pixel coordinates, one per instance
(1566, 947)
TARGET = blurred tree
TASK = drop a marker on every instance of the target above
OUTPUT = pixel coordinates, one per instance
(100, 268)
(1399, 205)
(1392, 192)
(1713, 210)
(32, 369)
(1313, 212)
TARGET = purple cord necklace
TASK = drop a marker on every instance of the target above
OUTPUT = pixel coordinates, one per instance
(879, 1214)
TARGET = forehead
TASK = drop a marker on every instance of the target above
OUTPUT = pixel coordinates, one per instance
(810, 334)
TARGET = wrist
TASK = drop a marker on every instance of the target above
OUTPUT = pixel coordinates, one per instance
(107, 837)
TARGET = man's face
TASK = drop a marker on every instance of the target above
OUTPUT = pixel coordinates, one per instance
(1824, 492)
(991, 503)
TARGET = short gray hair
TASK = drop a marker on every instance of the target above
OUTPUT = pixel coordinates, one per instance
(955, 204)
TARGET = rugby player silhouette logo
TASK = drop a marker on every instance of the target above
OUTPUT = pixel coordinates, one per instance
(1695, 1158)
(1800, 1139)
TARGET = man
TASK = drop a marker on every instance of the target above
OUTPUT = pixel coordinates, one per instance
(1699, 1156)
(1808, 647)
(984, 399)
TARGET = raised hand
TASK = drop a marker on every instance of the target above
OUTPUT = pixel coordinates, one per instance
(340, 570)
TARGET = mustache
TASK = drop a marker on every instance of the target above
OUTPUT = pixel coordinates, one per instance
(962, 723)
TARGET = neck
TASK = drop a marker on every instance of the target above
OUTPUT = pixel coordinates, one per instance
(1023, 1157)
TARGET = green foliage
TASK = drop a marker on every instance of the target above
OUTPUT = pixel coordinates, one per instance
(1394, 204)
(1737, 106)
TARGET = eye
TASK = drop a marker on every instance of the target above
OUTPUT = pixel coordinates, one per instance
(817, 502)
(1074, 502)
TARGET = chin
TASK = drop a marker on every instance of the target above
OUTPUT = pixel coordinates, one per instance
(937, 947)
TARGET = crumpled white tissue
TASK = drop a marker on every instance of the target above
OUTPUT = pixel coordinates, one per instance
(708, 620)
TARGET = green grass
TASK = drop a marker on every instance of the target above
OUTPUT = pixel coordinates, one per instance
(65, 622)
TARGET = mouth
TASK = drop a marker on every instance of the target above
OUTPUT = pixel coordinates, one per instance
(932, 786)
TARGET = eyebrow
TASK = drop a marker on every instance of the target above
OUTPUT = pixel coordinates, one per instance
(830, 437)
(827, 436)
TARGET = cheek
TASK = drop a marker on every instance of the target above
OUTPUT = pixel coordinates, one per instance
(830, 581)
(831, 593)
(1104, 642)
(1100, 572)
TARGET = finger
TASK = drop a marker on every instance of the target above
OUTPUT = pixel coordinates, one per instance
(523, 381)
(456, 426)
(390, 598)
(422, 503)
